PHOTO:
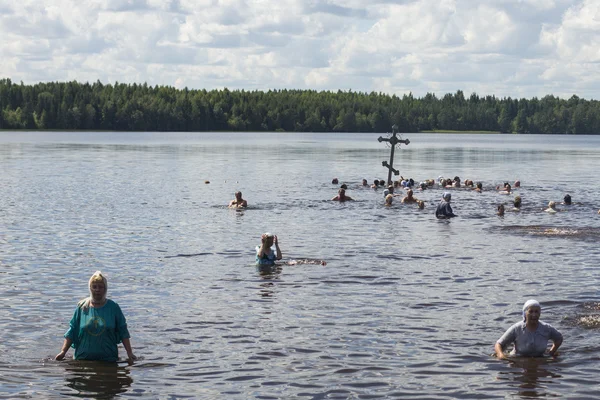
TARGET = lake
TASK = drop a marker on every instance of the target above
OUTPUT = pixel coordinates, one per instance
(407, 306)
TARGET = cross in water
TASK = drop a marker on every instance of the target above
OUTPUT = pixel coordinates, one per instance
(393, 141)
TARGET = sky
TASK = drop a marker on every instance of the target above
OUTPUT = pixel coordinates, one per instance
(507, 48)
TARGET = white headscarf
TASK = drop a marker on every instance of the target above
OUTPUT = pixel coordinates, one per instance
(529, 303)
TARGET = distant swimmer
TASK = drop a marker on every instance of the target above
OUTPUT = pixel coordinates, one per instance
(517, 203)
(342, 196)
(478, 187)
(334, 181)
(506, 189)
(530, 336)
(444, 210)
(551, 208)
(365, 183)
(389, 199)
(409, 197)
(420, 204)
(517, 184)
(567, 200)
(265, 255)
(238, 202)
(500, 212)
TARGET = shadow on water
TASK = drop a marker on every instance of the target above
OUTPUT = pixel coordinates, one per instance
(97, 379)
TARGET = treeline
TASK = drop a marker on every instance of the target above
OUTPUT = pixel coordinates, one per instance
(135, 107)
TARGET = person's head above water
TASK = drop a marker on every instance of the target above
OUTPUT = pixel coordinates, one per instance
(364, 182)
(552, 204)
(344, 186)
(446, 196)
(238, 195)
(334, 181)
(529, 304)
(388, 199)
(567, 199)
(517, 201)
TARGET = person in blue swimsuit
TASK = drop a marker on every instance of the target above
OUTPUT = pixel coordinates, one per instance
(97, 327)
(265, 255)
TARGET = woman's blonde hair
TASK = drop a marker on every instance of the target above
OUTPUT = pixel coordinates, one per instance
(97, 277)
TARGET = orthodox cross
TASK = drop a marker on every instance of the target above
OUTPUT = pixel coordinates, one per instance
(393, 140)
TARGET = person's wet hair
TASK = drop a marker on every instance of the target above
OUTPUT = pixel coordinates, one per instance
(344, 186)
(479, 185)
(567, 199)
(517, 201)
(334, 181)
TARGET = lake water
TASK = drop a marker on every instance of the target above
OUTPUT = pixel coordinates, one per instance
(407, 306)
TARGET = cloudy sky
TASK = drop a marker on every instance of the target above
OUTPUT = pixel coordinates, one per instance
(517, 48)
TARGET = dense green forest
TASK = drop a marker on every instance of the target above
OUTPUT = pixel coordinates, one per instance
(134, 107)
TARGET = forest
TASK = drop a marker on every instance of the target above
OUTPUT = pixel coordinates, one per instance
(141, 107)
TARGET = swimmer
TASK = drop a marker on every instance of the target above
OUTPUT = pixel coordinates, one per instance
(264, 253)
(342, 196)
(420, 204)
(567, 200)
(551, 208)
(388, 199)
(409, 197)
(456, 182)
(238, 202)
(334, 181)
(478, 187)
(506, 189)
(500, 212)
(530, 336)
(444, 210)
(517, 183)
(517, 203)
(365, 183)
(375, 184)
(344, 186)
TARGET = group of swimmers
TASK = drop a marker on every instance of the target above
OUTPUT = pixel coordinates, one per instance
(443, 210)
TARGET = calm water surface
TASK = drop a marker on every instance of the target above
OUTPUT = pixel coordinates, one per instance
(407, 306)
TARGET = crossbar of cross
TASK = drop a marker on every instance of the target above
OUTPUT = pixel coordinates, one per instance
(393, 140)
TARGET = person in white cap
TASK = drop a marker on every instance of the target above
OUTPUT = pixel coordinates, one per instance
(530, 336)
(444, 211)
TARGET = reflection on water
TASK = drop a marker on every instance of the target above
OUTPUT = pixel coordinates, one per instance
(96, 379)
(532, 376)
(405, 306)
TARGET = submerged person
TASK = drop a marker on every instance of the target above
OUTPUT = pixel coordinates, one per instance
(517, 203)
(97, 327)
(238, 202)
(567, 200)
(342, 196)
(265, 255)
(530, 336)
(389, 199)
(444, 210)
(420, 204)
(551, 208)
(500, 212)
(409, 197)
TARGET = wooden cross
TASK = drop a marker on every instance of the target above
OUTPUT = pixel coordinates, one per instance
(393, 141)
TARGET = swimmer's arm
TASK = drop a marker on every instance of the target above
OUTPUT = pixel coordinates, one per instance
(499, 351)
(127, 345)
(65, 347)
(277, 248)
(555, 345)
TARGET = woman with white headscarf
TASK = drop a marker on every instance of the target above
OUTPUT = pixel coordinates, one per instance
(530, 336)
(97, 327)
(444, 210)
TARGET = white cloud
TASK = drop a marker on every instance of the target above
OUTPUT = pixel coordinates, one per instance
(503, 47)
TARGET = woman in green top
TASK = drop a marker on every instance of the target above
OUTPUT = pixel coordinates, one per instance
(97, 327)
